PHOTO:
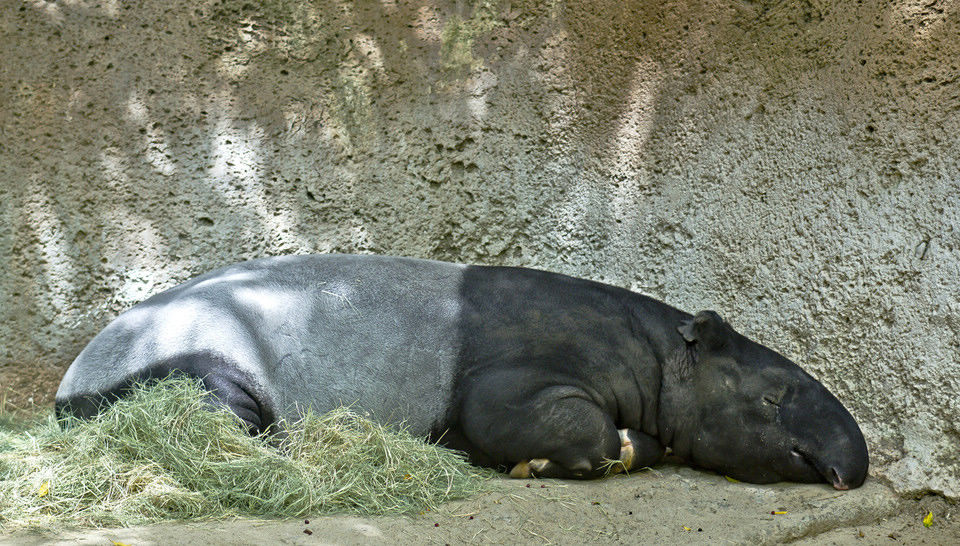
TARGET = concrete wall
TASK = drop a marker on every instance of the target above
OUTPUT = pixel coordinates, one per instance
(792, 164)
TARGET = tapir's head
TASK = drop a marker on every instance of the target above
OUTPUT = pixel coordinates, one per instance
(745, 411)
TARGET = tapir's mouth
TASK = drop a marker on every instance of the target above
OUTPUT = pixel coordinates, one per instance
(827, 471)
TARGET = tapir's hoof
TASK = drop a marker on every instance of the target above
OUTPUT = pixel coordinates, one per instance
(520, 470)
(627, 452)
(527, 469)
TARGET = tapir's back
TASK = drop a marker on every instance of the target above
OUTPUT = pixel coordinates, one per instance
(379, 332)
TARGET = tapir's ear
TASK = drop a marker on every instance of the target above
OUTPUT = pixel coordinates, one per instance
(706, 328)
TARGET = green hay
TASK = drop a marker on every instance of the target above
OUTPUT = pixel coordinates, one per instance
(163, 453)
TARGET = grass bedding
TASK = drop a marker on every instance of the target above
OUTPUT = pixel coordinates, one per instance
(164, 453)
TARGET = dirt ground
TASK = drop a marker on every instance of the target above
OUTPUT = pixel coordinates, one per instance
(668, 505)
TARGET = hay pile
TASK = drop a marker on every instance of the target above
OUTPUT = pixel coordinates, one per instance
(162, 453)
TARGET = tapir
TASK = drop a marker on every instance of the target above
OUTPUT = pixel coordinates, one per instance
(534, 372)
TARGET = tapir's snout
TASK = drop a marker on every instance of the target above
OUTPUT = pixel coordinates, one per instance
(845, 466)
(830, 441)
(839, 483)
(843, 472)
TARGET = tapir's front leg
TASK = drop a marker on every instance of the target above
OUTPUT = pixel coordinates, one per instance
(637, 450)
(556, 431)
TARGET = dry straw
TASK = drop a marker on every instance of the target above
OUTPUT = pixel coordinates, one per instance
(164, 453)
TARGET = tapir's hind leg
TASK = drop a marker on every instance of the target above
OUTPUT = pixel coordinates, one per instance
(555, 432)
(231, 387)
(239, 398)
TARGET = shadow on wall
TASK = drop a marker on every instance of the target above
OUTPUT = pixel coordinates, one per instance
(145, 144)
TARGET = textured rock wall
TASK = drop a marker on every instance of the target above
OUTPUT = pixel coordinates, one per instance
(792, 164)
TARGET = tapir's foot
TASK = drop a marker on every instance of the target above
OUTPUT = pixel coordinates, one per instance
(627, 452)
(637, 450)
(528, 469)
(545, 468)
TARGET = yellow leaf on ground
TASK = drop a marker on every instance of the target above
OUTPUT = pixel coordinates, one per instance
(44, 489)
(928, 519)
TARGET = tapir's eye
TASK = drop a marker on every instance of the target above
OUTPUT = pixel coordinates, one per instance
(772, 400)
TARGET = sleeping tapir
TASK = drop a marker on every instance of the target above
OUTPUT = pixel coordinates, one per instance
(537, 372)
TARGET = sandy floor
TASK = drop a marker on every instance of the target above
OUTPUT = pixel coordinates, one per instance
(670, 505)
